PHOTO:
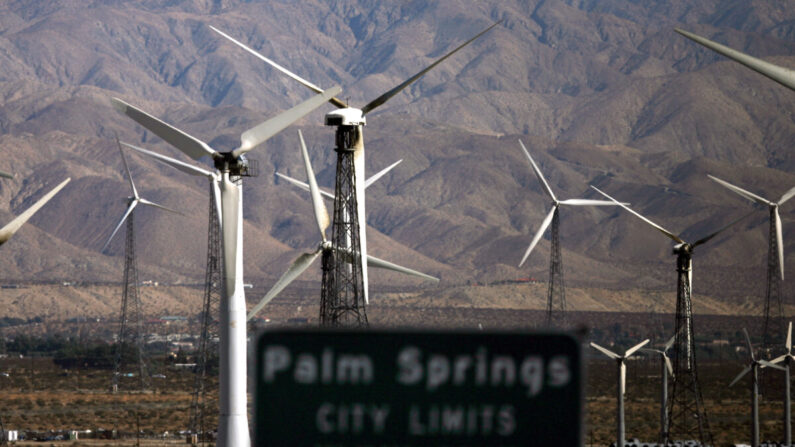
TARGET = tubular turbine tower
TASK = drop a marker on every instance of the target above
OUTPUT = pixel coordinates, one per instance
(687, 417)
(5, 234)
(230, 169)
(345, 287)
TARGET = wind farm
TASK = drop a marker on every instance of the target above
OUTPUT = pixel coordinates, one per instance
(455, 234)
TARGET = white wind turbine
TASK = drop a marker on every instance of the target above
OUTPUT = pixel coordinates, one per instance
(753, 368)
(230, 166)
(775, 249)
(622, 381)
(12, 227)
(783, 76)
(322, 219)
(775, 218)
(553, 218)
(787, 359)
(132, 201)
(350, 122)
(692, 418)
(666, 369)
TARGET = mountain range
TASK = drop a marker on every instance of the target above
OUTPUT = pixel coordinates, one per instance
(602, 93)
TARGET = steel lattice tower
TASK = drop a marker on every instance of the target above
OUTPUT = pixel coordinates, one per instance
(556, 291)
(3, 440)
(130, 323)
(208, 345)
(342, 291)
(772, 324)
(687, 417)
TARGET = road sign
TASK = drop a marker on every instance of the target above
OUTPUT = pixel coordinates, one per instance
(391, 388)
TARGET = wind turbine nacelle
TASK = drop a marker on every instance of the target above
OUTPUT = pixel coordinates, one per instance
(681, 248)
(345, 117)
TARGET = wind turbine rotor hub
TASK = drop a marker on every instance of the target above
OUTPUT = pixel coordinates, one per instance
(683, 249)
(348, 116)
(236, 166)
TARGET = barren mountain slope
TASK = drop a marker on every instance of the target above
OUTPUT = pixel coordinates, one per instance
(602, 92)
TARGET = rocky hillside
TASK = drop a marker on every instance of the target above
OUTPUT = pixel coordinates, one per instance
(602, 93)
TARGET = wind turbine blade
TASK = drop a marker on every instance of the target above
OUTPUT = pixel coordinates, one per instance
(741, 375)
(127, 169)
(786, 196)
(766, 364)
(659, 228)
(296, 268)
(273, 64)
(260, 133)
(789, 338)
(156, 205)
(747, 194)
(216, 189)
(321, 214)
(779, 241)
(191, 146)
(779, 359)
(372, 261)
(386, 96)
(748, 341)
(182, 166)
(538, 173)
(381, 173)
(632, 350)
(12, 227)
(6, 174)
(783, 76)
(130, 209)
(623, 371)
(726, 227)
(588, 202)
(539, 233)
(668, 365)
(605, 351)
(670, 343)
(303, 185)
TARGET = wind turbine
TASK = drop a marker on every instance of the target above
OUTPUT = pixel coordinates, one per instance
(622, 381)
(349, 122)
(212, 287)
(666, 368)
(691, 418)
(12, 227)
(783, 76)
(775, 250)
(325, 247)
(753, 367)
(787, 360)
(556, 283)
(130, 300)
(230, 167)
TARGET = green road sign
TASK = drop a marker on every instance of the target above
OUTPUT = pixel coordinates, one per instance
(351, 388)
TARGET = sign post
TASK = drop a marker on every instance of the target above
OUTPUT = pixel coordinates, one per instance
(390, 388)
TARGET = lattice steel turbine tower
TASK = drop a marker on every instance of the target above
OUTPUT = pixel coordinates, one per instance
(334, 253)
(210, 315)
(687, 416)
